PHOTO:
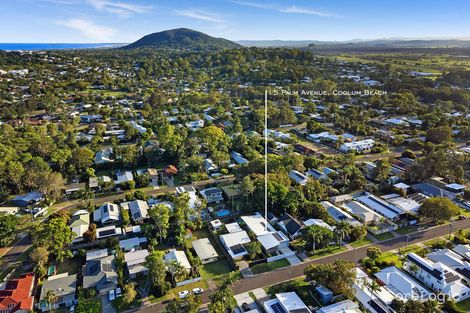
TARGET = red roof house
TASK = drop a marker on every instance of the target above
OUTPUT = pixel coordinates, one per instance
(17, 295)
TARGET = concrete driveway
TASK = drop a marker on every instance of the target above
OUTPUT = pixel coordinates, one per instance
(106, 305)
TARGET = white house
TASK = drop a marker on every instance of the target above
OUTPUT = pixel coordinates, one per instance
(135, 261)
(381, 298)
(212, 195)
(205, 251)
(123, 177)
(382, 207)
(463, 250)
(194, 201)
(107, 213)
(339, 215)
(233, 243)
(271, 240)
(298, 177)
(210, 166)
(401, 285)
(138, 210)
(359, 146)
(453, 260)
(104, 156)
(345, 306)
(362, 212)
(286, 302)
(178, 256)
(318, 222)
(436, 276)
(108, 231)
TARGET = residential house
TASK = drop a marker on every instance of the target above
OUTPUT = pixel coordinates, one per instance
(212, 195)
(286, 302)
(204, 250)
(377, 301)
(401, 285)
(30, 198)
(320, 175)
(298, 177)
(463, 250)
(135, 261)
(73, 188)
(178, 256)
(290, 226)
(382, 207)
(100, 274)
(132, 243)
(108, 231)
(238, 157)
(104, 156)
(17, 295)
(452, 260)
(123, 177)
(96, 254)
(139, 210)
(436, 276)
(194, 201)
(107, 213)
(63, 286)
(233, 243)
(271, 240)
(210, 166)
(79, 224)
(357, 146)
(405, 204)
(339, 215)
(345, 306)
(318, 222)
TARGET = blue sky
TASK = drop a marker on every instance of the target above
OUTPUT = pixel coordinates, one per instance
(128, 20)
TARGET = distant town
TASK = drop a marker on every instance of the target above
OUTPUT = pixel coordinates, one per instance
(133, 179)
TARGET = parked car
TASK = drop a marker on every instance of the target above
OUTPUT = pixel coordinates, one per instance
(118, 292)
(183, 294)
(198, 291)
(111, 295)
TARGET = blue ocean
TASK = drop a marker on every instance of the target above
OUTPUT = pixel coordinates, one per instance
(55, 46)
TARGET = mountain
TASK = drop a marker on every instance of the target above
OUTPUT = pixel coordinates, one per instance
(182, 38)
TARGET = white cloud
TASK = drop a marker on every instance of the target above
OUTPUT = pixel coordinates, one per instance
(89, 29)
(292, 9)
(298, 10)
(121, 9)
(200, 15)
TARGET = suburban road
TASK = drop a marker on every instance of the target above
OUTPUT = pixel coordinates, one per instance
(11, 254)
(274, 277)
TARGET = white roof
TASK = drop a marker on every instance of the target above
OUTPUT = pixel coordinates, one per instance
(233, 239)
(233, 227)
(216, 223)
(400, 283)
(106, 212)
(271, 240)
(291, 301)
(96, 254)
(380, 206)
(448, 258)
(401, 186)
(204, 249)
(345, 306)
(257, 224)
(405, 204)
(363, 212)
(298, 177)
(463, 250)
(317, 222)
(138, 209)
(135, 257)
(455, 186)
(178, 256)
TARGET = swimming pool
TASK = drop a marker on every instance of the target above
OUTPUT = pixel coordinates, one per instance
(222, 213)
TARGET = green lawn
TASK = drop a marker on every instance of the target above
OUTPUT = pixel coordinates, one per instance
(393, 256)
(384, 236)
(464, 305)
(215, 269)
(271, 266)
(407, 229)
(360, 243)
(326, 251)
(302, 288)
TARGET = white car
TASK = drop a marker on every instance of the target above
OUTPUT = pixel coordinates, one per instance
(118, 292)
(111, 295)
(183, 294)
(198, 291)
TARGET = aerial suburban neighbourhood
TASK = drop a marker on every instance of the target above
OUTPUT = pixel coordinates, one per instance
(188, 173)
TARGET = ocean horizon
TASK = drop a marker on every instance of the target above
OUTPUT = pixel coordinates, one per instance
(55, 46)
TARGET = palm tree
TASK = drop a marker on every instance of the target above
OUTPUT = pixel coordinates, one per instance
(373, 287)
(341, 231)
(431, 306)
(196, 265)
(176, 269)
(317, 234)
(51, 299)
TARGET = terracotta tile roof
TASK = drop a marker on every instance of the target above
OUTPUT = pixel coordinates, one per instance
(17, 294)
